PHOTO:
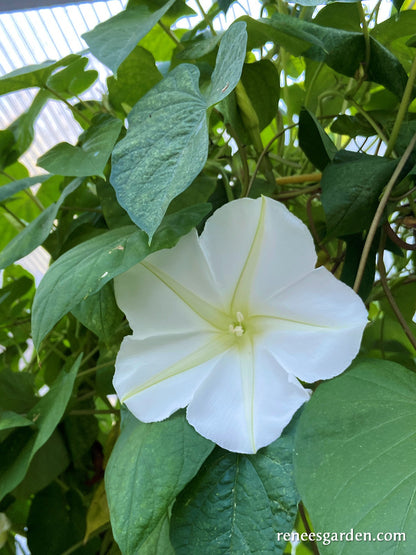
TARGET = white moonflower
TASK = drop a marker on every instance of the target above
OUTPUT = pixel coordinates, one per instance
(226, 324)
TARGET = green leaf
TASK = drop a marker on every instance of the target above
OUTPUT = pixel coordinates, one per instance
(351, 186)
(100, 313)
(85, 269)
(198, 47)
(158, 542)
(135, 77)
(229, 63)
(320, 2)
(344, 51)
(91, 156)
(16, 391)
(32, 75)
(149, 466)
(237, 503)
(73, 79)
(224, 5)
(56, 521)
(262, 30)
(35, 233)
(165, 148)
(10, 189)
(47, 464)
(398, 4)
(353, 252)
(113, 40)
(10, 419)
(261, 83)
(352, 126)
(23, 127)
(17, 451)
(313, 140)
(7, 153)
(356, 436)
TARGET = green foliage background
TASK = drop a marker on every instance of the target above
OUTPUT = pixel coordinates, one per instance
(314, 107)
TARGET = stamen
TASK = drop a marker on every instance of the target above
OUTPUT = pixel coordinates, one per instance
(238, 327)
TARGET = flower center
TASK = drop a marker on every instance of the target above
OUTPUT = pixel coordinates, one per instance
(237, 327)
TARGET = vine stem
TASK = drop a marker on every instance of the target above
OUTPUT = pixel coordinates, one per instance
(206, 18)
(296, 179)
(370, 120)
(95, 368)
(298, 192)
(366, 35)
(404, 104)
(83, 412)
(379, 212)
(389, 295)
(263, 154)
(28, 192)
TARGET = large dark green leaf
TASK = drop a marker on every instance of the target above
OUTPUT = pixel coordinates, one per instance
(113, 40)
(237, 503)
(165, 148)
(33, 75)
(91, 156)
(17, 451)
(313, 140)
(229, 63)
(149, 466)
(351, 185)
(36, 232)
(85, 269)
(355, 457)
(344, 51)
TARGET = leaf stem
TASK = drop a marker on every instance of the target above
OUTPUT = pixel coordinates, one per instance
(16, 218)
(74, 110)
(404, 104)
(379, 213)
(171, 34)
(389, 294)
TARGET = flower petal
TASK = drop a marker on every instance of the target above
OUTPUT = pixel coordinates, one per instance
(154, 306)
(313, 327)
(246, 401)
(256, 247)
(158, 375)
